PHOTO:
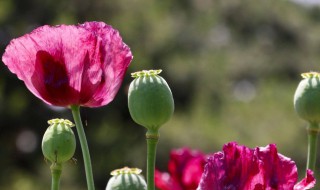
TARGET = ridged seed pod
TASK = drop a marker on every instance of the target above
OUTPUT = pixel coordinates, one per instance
(150, 99)
(59, 143)
(307, 97)
(126, 179)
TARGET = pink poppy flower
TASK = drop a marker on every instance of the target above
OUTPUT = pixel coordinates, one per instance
(70, 64)
(242, 168)
(185, 170)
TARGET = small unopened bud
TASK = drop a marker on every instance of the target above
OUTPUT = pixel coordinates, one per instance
(307, 97)
(59, 143)
(126, 179)
(150, 99)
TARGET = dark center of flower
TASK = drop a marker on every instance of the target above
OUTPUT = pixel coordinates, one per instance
(51, 79)
(55, 73)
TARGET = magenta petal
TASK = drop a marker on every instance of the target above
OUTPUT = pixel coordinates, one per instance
(185, 170)
(164, 181)
(234, 168)
(70, 65)
(186, 166)
(239, 167)
(192, 173)
(51, 79)
(279, 172)
(307, 183)
(113, 57)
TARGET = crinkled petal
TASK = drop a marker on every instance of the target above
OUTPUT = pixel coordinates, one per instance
(47, 60)
(278, 171)
(307, 183)
(113, 57)
(66, 65)
(239, 167)
(234, 168)
(213, 173)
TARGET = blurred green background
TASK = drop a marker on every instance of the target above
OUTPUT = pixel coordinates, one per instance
(233, 67)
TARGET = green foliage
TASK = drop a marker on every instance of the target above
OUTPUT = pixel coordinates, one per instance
(232, 66)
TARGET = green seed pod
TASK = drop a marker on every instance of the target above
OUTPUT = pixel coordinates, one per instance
(150, 99)
(59, 143)
(307, 97)
(126, 179)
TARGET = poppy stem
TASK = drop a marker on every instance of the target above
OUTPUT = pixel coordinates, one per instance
(56, 170)
(84, 146)
(152, 137)
(313, 131)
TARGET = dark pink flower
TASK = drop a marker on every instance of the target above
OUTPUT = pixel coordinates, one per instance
(307, 183)
(242, 168)
(164, 181)
(185, 170)
(70, 65)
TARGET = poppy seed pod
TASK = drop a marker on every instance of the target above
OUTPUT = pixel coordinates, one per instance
(150, 99)
(307, 97)
(59, 143)
(126, 179)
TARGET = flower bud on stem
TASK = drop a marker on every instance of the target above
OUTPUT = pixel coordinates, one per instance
(307, 105)
(58, 146)
(151, 105)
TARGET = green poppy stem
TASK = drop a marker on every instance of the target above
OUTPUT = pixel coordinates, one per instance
(313, 131)
(56, 170)
(84, 146)
(152, 137)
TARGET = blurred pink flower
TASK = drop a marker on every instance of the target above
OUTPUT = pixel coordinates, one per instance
(242, 168)
(185, 170)
(70, 64)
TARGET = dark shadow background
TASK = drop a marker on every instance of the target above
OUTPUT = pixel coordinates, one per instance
(233, 68)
